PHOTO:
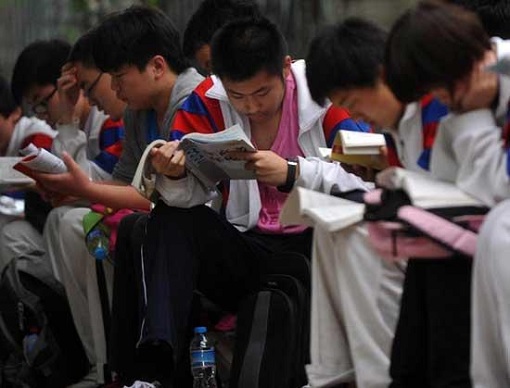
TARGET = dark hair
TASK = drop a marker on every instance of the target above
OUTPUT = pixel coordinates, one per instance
(494, 15)
(39, 64)
(344, 56)
(432, 45)
(243, 47)
(209, 17)
(135, 35)
(7, 102)
(82, 50)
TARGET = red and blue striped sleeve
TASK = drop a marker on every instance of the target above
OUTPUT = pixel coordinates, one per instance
(432, 111)
(110, 144)
(337, 118)
(198, 113)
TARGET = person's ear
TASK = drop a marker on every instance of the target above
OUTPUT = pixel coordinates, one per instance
(287, 62)
(158, 66)
(15, 115)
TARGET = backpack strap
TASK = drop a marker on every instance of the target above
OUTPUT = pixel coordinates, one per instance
(443, 231)
(250, 370)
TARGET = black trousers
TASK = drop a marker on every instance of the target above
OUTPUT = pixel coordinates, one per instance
(184, 250)
(432, 341)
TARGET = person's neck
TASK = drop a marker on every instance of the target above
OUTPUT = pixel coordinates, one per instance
(398, 117)
(84, 115)
(162, 98)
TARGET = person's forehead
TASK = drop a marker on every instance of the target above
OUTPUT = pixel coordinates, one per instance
(36, 92)
(339, 96)
(258, 81)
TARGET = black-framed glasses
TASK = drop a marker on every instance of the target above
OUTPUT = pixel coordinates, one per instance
(88, 91)
(42, 106)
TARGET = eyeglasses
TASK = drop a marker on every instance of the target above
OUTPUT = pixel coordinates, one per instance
(88, 91)
(42, 106)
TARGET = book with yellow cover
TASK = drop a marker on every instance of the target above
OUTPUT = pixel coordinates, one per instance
(360, 148)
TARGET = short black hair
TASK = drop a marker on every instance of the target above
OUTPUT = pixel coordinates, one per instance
(243, 47)
(135, 35)
(38, 64)
(82, 50)
(494, 15)
(7, 103)
(210, 16)
(345, 56)
(434, 44)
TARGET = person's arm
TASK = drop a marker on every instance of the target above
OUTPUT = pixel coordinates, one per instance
(176, 187)
(472, 144)
(109, 140)
(76, 183)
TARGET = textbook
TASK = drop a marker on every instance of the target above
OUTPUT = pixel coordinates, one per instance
(10, 179)
(208, 155)
(39, 160)
(361, 148)
(312, 208)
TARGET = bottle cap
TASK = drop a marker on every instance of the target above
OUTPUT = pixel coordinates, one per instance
(200, 330)
(100, 253)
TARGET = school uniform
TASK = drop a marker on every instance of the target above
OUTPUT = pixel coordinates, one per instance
(356, 293)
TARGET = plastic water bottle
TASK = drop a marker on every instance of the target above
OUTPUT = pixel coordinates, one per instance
(98, 243)
(29, 342)
(203, 363)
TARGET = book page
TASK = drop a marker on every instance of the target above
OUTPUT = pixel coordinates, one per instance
(10, 179)
(39, 161)
(308, 207)
(367, 155)
(365, 143)
(425, 191)
(207, 155)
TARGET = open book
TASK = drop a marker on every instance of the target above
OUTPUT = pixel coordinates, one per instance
(39, 160)
(10, 179)
(425, 191)
(362, 148)
(308, 207)
(207, 155)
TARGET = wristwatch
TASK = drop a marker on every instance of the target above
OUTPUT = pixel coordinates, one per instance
(292, 165)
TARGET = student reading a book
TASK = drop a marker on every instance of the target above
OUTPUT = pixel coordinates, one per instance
(16, 132)
(36, 81)
(356, 294)
(148, 71)
(443, 49)
(222, 255)
(85, 134)
(206, 20)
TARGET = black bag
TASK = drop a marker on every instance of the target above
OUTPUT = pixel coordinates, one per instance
(273, 328)
(39, 345)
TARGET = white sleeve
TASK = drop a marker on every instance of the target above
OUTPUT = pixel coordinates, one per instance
(477, 147)
(320, 175)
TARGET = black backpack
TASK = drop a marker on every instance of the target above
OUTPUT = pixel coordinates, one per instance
(273, 328)
(39, 345)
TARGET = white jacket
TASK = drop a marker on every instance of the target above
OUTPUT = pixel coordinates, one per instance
(244, 204)
(468, 149)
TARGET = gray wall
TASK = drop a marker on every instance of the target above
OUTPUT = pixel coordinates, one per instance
(23, 21)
